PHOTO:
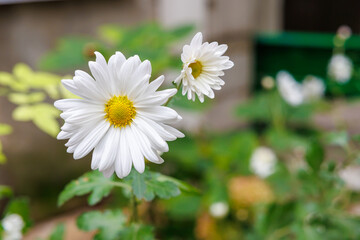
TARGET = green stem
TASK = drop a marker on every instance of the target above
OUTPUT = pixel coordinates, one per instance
(134, 211)
(177, 88)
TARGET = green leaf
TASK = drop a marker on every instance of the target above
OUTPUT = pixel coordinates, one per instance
(23, 113)
(92, 182)
(2, 156)
(6, 79)
(314, 155)
(5, 129)
(137, 232)
(5, 191)
(138, 183)
(22, 98)
(43, 115)
(149, 184)
(58, 233)
(109, 223)
(340, 138)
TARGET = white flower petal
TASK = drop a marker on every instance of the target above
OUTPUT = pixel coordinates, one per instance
(91, 140)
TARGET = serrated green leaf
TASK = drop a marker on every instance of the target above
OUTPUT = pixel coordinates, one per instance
(149, 184)
(22, 98)
(58, 233)
(92, 182)
(164, 189)
(5, 129)
(109, 223)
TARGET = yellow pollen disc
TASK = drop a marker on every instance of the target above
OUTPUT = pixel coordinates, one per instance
(120, 111)
(196, 68)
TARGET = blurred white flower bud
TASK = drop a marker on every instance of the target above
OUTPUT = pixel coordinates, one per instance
(289, 88)
(340, 68)
(263, 162)
(313, 88)
(13, 225)
(351, 176)
(219, 209)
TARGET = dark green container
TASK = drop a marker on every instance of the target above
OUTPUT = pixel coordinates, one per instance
(303, 54)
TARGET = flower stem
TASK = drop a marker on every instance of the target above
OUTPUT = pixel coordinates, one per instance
(134, 211)
(170, 98)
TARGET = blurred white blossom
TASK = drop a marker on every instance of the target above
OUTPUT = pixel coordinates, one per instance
(12, 225)
(340, 68)
(351, 176)
(289, 88)
(263, 162)
(219, 209)
(313, 88)
(295, 93)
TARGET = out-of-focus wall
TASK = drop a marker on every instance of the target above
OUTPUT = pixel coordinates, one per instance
(29, 30)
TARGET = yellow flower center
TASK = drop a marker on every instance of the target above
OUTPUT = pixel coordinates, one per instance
(196, 68)
(120, 111)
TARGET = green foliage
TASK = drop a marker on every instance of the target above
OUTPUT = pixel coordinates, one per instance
(43, 115)
(21, 207)
(137, 231)
(91, 182)
(30, 90)
(340, 138)
(315, 155)
(5, 129)
(109, 223)
(146, 186)
(58, 233)
(150, 184)
(70, 52)
(5, 191)
(149, 41)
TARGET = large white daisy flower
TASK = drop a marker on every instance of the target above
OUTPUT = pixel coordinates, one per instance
(120, 115)
(203, 65)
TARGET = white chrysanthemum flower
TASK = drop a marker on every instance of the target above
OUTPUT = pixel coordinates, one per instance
(340, 68)
(289, 88)
(219, 209)
(119, 116)
(203, 65)
(351, 176)
(13, 225)
(263, 162)
(313, 88)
